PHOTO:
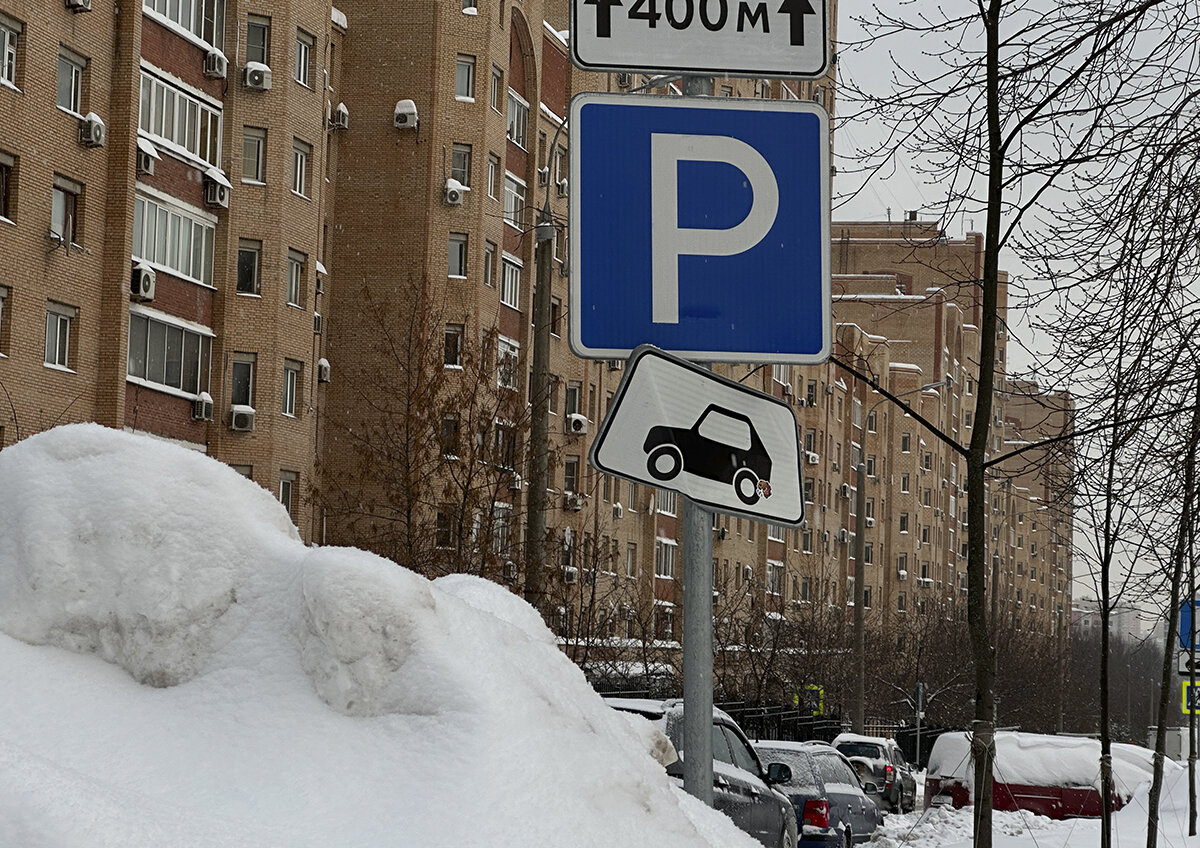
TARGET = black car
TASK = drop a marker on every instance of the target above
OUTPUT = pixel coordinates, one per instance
(742, 788)
(722, 445)
(833, 809)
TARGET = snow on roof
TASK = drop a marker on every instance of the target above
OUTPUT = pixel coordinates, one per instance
(338, 17)
(560, 36)
(905, 366)
(1035, 759)
(194, 676)
(858, 737)
(146, 146)
(546, 111)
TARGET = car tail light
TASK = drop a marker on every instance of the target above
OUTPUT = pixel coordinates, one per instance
(889, 771)
(816, 813)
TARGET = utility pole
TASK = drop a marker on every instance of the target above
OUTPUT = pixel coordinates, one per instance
(860, 637)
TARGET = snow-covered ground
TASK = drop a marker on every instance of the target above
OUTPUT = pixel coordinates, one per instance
(180, 670)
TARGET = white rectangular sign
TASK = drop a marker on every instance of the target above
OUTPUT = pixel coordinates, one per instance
(719, 37)
(726, 446)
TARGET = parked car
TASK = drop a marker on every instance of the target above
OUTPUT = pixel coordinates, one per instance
(833, 809)
(1053, 776)
(742, 788)
(880, 761)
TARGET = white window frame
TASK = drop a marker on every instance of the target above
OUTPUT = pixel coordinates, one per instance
(501, 528)
(59, 321)
(776, 532)
(302, 72)
(497, 90)
(4, 294)
(64, 223)
(295, 277)
(510, 280)
(179, 118)
(515, 192)
(263, 25)
(258, 137)
(664, 558)
(489, 263)
(249, 363)
(192, 17)
(288, 482)
(518, 120)
(10, 33)
(631, 565)
(493, 176)
(74, 65)
(508, 357)
(291, 387)
(301, 154)
(464, 78)
(185, 245)
(460, 163)
(456, 256)
(202, 344)
(668, 502)
(249, 246)
(452, 354)
(774, 577)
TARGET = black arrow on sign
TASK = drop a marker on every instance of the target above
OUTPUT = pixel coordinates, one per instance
(795, 10)
(604, 15)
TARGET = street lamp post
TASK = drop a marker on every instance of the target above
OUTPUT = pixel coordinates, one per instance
(860, 547)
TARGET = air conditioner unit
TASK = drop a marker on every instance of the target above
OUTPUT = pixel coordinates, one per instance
(624, 80)
(323, 370)
(405, 116)
(570, 576)
(543, 176)
(92, 132)
(510, 570)
(79, 5)
(835, 466)
(615, 364)
(216, 194)
(574, 501)
(258, 76)
(618, 510)
(141, 286)
(318, 323)
(843, 535)
(802, 402)
(341, 117)
(456, 192)
(811, 457)
(216, 65)
(845, 490)
(870, 521)
(515, 482)
(145, 163)
(202, 407)
(576, 424)
(562, 188)
(787, 390)
(902, 574)
(829, 389)
(241, 417)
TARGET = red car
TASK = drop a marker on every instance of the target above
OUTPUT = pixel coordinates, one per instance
(1053, 776)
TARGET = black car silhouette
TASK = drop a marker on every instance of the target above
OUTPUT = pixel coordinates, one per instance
(746, 466)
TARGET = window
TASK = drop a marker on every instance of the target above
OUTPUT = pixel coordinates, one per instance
(555, 316)
(464, 77)
(304, 48)
(631, 559)
(249, 262)
(927, 461)
(203, 18)
(295, 277)
(456, 255)
(774, 578)
(902, 564)
(904, 483)
(301, 151)
(514, 201)
(518, 120)
(177, 240)
(3, 327)
(168, 354)
(444, 536)
(664, 558)
(254, 144)
(288, 481)
(258, 39)
(868, 557)
(59, 320)
(64, 209)
(806, 538)
(291, 384)
(448, 436)
(571, 474)
(901, 602)
(453, 354)
(501, 528)
(667, 502)
(776, 533)
(870, 465)
(871, 421)
(10, 31)
(242, 387)
(574, 390)
(460, 163)
(507, 355)
(560, 164)
(8, 186)
(180, 120)
(497, 92)
(70, 80)
(810, 393)
(904, 522)
(510, 283)
(905, 442)
(489, 264)
(493, 176)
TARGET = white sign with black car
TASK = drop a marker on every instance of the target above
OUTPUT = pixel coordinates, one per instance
(726, 446)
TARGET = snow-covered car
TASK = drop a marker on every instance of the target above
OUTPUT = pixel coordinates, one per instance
(879, 761)
(1053, 776)
(832, 807)
(742, 788)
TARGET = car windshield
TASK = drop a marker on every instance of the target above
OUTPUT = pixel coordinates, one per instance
(861, 749)
(801, 766)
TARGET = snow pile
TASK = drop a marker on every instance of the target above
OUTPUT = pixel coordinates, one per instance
(1035, 759)
(258, 692)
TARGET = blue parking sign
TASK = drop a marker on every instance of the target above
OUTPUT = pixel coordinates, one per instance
(700, 226)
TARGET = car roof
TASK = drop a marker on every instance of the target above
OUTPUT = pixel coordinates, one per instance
(858, 737)
(788, 745)
(654, 709)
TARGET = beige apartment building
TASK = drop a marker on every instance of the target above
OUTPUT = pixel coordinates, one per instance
(300, 238)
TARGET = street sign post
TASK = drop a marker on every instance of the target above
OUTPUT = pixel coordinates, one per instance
(700, 226)
(719, 37)
(726, 446)
(1185, 663)
(1191, 703)
(1187, 624)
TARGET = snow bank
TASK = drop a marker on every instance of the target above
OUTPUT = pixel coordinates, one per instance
(224, 685)
(1035, 759)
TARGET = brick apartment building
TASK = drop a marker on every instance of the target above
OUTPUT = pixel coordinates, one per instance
(287, 234)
